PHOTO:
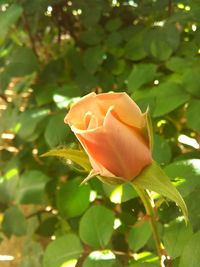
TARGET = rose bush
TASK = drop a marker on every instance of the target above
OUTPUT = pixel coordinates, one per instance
(111, 128)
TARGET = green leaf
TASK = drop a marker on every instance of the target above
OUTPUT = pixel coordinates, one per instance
(77, 156)
(92, 36)
(8, 188)
(72, 198)
(140, 75)
(4, 80)
(145, 259)
(96, 226)
(173, 93)
(162, 41)
(48, 227)
(28, 122)
(22, 62)
(153, 178)
(160, 49)
(192, 201)
(178, 64)
(176, 236)
(113, 24)
(101, 259)
(56, 131)
(14, 222)
(31, 187)
(192, 115)
(139, 235)
(186, 174)
(86, 80)
(191, 256)
(172, 35)
(120, 193)
(63, 249)
(8, 18)
(51, 72)
(10, 119)
(113, 40)
(92, 58)
(134, 49)
(91, 12)
(161, 150)
(191, 80)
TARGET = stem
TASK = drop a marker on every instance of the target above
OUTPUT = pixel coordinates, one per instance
(170, 8)
(28, 30)
(150, 212)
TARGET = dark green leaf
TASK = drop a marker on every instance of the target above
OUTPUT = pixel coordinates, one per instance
(113, 24)
(29, 120)
(56, 131)
(22, 62)
(8, 18)
(92, 36)
(31, 187)
(191, 80)
(92, 58)
(134, 48)
(14, 222)
(91, 12)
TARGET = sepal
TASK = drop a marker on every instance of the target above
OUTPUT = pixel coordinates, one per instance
(154, 179)
(76, 156)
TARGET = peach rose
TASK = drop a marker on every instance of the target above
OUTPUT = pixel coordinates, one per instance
(110, 127)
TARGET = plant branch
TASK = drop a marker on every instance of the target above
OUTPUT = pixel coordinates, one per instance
(170, 8)
(150, 212)
(28, 30)
(164, 258)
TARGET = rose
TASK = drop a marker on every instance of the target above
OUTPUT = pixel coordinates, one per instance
(111, 129)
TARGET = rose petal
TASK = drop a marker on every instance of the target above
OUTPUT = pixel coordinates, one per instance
(86, 104)
(125, 108)
(115, 149)
(90, 120)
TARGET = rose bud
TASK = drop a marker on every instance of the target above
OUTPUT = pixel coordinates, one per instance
(111, 128)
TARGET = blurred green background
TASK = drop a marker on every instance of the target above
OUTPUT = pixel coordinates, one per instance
(53, 52)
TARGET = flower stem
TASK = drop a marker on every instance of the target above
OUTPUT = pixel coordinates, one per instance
(150, 212)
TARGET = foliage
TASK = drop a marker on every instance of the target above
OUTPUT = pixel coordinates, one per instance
(54, 51)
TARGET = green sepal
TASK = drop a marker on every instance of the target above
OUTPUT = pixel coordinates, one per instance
(78, 157)
(154, 179)
(148, 130)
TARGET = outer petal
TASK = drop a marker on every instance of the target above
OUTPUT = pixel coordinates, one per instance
(115, 149)
(86, 104)
(125, 108)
